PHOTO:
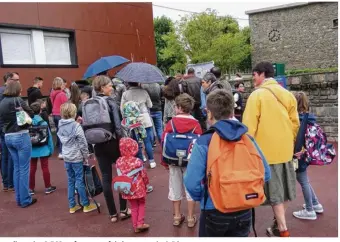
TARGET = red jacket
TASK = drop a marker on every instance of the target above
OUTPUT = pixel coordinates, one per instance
(58, 98)
(183, 124)
(128, 162)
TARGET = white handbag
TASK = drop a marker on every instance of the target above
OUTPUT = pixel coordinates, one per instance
(22, 117)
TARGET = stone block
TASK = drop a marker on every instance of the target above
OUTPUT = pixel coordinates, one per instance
(305, 79)
(321, 111)
(248, 84)
(294, 80)
(333, 97)
(318, 78)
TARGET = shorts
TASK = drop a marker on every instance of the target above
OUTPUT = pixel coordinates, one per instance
(176, 186)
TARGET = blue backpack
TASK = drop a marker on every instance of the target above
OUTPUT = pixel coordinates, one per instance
(176, 147)
(125, 184)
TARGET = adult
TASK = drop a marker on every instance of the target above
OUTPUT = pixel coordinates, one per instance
(155, 92)
(191, 84)
(272, 119)
(170, 92)
(210, 83)
(66, 89)
(217, 72)
(18, 141)
(239, 89)
(75, 95)
(34, 93)
(58, 97)
(119, 89)
(6, 160)
(138, 95)
(107, 153)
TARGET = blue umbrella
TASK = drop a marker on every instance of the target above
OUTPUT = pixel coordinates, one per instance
(141, 72)
(104, 64)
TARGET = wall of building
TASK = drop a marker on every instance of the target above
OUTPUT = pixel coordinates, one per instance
(302, 37)
(101, 29)
(322, 91)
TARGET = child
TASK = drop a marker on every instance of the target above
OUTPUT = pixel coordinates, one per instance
(213, 222)
(127, 163)
(42, 152)
(312, 205)
(75, 152)
(183, 122)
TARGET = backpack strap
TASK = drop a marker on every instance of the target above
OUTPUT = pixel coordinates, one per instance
(253, 221)
(174, 130)
(135, 171)
(274, 95)
(257, 147)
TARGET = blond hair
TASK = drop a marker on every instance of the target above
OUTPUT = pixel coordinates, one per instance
(58, 82)
(68, 110)
(99, 82)
(302, 102)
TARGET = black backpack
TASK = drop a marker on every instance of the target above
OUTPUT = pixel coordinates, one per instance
(39, 134)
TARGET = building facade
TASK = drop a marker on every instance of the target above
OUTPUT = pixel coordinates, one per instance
(63, 39)
(301, 35)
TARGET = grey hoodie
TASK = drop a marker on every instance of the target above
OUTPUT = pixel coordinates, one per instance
(73, 139)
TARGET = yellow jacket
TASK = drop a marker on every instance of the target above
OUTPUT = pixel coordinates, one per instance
(273, 125)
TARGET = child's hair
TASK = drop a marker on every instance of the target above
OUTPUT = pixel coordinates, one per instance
(57, 83)
(185, 102)
(220, 103)
(302, 102)
(68, 110)
(36, 107)
(84, 96)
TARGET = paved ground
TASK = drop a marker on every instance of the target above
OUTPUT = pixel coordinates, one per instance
(50, 217)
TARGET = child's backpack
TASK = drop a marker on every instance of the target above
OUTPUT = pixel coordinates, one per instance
(176, 147)
(125, 183)
(39, 134)
(96, 120)
(318, 152)
(235, 174)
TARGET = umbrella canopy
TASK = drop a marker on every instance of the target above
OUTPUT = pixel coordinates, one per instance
(141, 72)
(104, 64)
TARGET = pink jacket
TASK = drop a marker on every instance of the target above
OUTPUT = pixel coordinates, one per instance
(58, 97)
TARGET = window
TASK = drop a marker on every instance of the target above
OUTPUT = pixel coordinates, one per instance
(335, 23)
(36, 47)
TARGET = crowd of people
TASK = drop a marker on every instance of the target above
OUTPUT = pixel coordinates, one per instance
(139, 115)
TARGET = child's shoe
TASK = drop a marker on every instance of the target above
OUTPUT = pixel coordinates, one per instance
(31, 192)
(75, 209)
(192, 221)
(152, 164)
(142, 228)
(149, 188)
(50, 189)
(60, 157)
(91, 207)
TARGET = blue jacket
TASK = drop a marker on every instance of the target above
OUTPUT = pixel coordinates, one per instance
(46, 150)
(203, 101)
(196, 171)
(300, 139)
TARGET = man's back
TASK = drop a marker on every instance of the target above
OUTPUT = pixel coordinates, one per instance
(192, 86)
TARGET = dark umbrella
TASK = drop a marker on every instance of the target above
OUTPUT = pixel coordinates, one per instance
(104, 64)
(141, 72)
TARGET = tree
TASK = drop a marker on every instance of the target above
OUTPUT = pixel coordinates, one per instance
(246, 62)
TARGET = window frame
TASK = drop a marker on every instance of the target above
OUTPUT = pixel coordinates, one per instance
(49, 31)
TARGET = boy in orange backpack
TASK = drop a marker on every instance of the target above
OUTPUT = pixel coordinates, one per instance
(226, 172)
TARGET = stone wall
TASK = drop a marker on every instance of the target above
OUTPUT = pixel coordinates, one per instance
(322, 91)
(301, 37)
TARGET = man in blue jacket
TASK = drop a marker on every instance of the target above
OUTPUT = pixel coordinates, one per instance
(220, 111)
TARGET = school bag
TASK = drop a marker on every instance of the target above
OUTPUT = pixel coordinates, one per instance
(97, 123)
(318, 151)
(125, 183)
(177, 146)
(235, 175)
(39, 134)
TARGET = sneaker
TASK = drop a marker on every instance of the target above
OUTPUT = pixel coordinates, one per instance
(60, 156)
(31, 192)
(149, 188)
(91, 207)
(75, 209)
(11, 189)
(34, 200)
(144, 158)
(304, 214)
(317, 208)
(50, 190)
(154, 144)
(153, 165)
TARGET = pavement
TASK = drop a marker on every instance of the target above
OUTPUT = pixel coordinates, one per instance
(49, 217)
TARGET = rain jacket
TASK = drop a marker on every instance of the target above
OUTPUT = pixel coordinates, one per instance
(194, 178)
(58, 97)
(273, 125)
(46, 150)
(128, 162)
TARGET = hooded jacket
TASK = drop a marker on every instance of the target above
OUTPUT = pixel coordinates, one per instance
(194, 178)
(33, 94)
(128, 162)
(73, 139)
(46, 150)
(155, 93)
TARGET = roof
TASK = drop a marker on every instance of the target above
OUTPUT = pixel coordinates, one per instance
(279, 7)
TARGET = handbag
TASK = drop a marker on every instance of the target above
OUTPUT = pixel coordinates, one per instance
(22, 117)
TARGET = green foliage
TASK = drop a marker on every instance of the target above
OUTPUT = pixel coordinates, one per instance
(311, 70)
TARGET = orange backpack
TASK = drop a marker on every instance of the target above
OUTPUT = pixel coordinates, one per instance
(235, 174)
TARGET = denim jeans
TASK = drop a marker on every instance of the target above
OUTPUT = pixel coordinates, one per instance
(20, 148)
(307, 190)
(147, 143)
(7, 167)
(158, 123)
(216, 224)
(75, 178)
(56, 119)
